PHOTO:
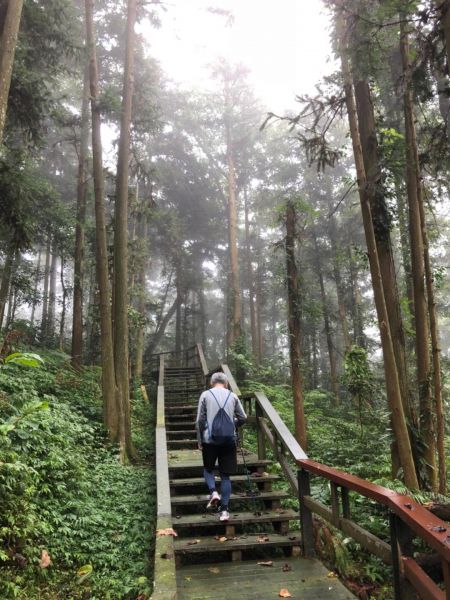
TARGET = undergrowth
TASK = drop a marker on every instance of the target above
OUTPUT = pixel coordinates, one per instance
(74, 522)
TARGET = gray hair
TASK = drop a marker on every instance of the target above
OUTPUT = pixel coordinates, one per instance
(219, 378)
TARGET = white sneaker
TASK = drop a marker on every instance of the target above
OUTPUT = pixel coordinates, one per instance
(214, 500)
(224, 516)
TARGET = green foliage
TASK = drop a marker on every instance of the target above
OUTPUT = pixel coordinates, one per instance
(358, 377)
(64, 491)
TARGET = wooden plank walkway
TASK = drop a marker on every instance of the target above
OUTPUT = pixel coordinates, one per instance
(307, 580)
(259, 529)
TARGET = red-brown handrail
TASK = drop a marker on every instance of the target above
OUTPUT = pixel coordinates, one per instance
(407, 518)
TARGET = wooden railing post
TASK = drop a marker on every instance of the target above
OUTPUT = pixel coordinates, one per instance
(306, 516)
(260, 434)
(401, 545)
(335, 512)
(345, 503)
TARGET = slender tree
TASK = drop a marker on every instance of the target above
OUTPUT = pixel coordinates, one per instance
(415, 201)
(391, 374)
(78, 275)
(8, 42)
(121, 241)
(110, 407)
(294, 324)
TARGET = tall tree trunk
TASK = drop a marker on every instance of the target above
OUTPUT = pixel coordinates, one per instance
(436, 353)
(445, 12)
(8, 42)
(338, 281)
(356, 308)
(121, 242)
(78, 276)
(250, 279)
(326, 320)
(178, 306)
(381, 224)
(202, 312)
(391, 375)
(162, 327)
(259, 310)
(315, 364)
(110, 401)
(415, 200)
(294, 326)
(35, 288)
(62, 323)
(235, 329)
(5, 284)
(44, 317)
(140, 335)
(52, 297)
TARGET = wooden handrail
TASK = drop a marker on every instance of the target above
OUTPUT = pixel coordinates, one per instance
(407, 517)
(201, 359)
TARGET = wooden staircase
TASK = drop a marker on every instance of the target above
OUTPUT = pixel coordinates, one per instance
(260, 532)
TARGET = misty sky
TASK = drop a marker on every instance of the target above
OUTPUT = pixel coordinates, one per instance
(284, 43)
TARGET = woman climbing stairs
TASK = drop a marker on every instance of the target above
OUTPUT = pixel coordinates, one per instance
(257, 550)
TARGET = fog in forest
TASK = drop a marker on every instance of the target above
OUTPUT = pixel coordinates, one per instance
(258, 185)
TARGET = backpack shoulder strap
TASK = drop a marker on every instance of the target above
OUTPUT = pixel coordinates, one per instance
(214, 396)
(229, 394)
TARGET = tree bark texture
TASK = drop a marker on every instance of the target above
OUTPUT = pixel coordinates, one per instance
(44, 316)
(415, 200)
(391, 375)
(235, 326)
(36, 285)
(445, 12)
(250, 280)
(294, 326)
(8, 42)
(121, 241)
(78, 276)
(5, 284)
(381, 225)
(328, 334)
(110, 408)
(51, 318)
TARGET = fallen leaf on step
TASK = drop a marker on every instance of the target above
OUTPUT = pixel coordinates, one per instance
(221, 538)
(286, 568)
(284, 593)
(166, 531)
(265, 563)
(263, 538)
(193, 542)
(280, 511)
(331, 574)
(292, 537)
(45, 560)
(188, 578)
(214, 570)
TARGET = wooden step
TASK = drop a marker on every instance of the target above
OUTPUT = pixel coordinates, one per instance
(191, 481)
(197, 469)
(175, 444)
(236, 518)
(180, 408)
(239, 497)
(184, 546)
(172, 425)
(181, 434)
